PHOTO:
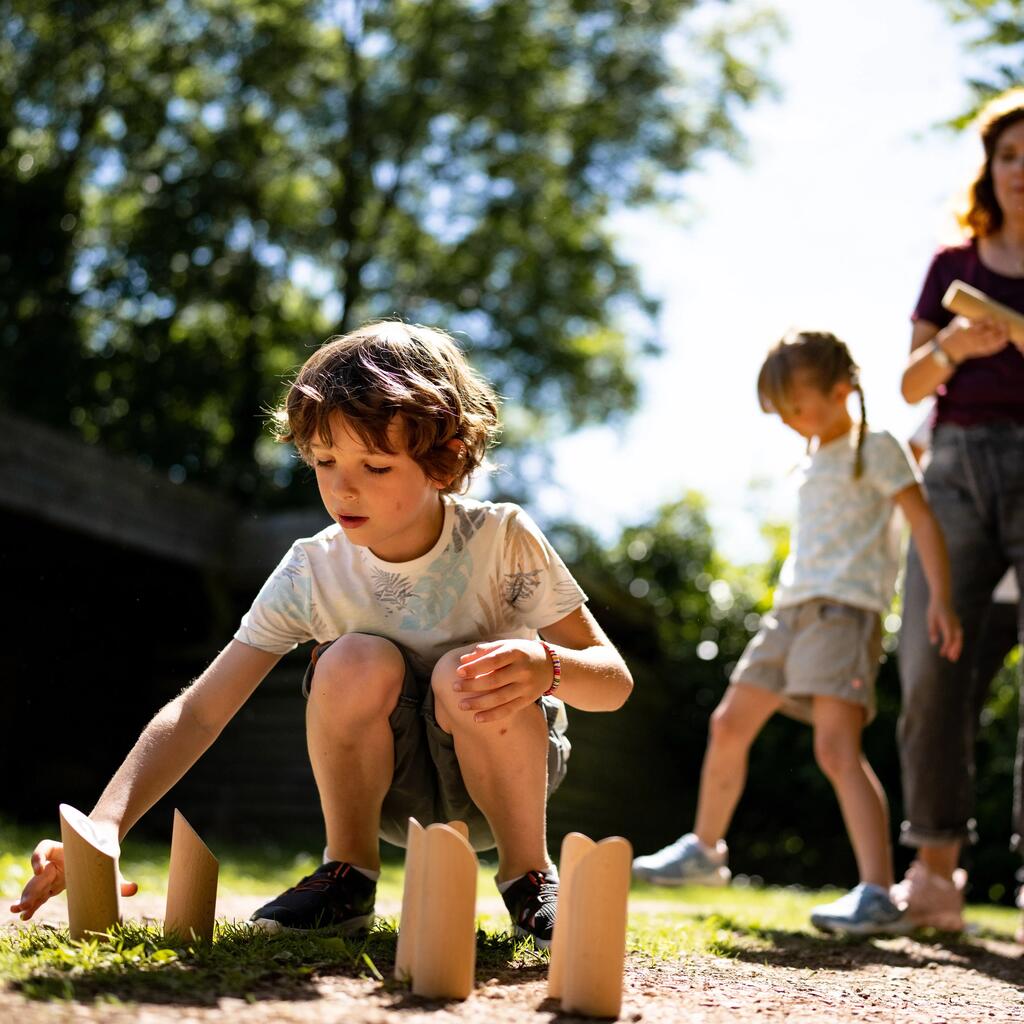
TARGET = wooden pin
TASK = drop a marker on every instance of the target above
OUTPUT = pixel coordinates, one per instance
(191, 884)
(444, 938)
(574, 846)
(962, 299)
(411, 898)
(90, 873)
(595, 955)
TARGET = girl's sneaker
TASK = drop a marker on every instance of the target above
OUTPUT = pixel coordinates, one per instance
(930, 901)
(864, 910)
(687, 861)
(336, 895)
(531, 901)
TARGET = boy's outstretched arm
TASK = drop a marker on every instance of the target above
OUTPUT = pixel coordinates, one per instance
(943, 624)
(178, 734)
(503, 676)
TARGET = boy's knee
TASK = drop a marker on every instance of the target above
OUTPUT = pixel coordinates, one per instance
(834, 756)
(446, 698)
(358, 678)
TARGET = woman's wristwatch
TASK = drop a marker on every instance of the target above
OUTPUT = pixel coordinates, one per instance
(942, 357)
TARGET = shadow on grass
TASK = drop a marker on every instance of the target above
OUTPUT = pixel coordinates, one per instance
(797, 949)
(138, 964)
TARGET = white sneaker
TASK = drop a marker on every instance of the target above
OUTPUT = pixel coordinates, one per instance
(687, 861)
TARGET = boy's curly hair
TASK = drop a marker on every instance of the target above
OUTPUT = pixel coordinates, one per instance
(388, 369)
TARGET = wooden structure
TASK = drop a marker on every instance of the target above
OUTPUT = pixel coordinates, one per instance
(90, 874)
(191, 884)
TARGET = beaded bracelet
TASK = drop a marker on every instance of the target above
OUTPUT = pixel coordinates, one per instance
(556, 668)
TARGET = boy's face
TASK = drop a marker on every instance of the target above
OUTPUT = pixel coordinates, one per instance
(812, 412)
(383, 502)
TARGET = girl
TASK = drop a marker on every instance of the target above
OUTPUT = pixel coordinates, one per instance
(816, 656)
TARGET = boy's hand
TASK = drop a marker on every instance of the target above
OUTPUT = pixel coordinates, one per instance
(48, 879)
(944, 626)
(505, 675)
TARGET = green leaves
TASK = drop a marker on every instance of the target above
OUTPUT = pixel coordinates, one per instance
(195, 194)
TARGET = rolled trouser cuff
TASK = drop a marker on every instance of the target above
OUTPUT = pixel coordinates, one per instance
(915, 835)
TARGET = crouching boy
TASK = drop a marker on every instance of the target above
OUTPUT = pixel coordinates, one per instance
(447, 635)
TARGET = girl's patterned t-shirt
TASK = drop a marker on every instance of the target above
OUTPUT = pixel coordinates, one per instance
(846, 542)
(491, 575)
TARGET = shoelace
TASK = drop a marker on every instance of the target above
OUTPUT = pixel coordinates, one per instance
(319, 881)
(546, 892)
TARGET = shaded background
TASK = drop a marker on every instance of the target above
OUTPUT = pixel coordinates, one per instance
(193, 195)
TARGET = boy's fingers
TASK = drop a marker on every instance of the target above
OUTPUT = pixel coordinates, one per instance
(41, 855)
(479, 649)
(505, 710)
(486, 663)
(484, 701)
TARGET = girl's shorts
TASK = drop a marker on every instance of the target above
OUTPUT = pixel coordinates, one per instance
(818, 648)
(427, 783)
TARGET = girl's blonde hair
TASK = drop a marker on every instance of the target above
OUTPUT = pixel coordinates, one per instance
(825, 361)
(388, 369)
(981, 215)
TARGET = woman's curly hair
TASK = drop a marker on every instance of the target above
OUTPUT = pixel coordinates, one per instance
(981, 215)
(391, 369)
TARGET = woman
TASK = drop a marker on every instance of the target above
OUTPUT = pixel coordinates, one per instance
(975, 484)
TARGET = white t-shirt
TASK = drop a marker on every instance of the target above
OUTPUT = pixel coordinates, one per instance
(491, 575)
(847, 544)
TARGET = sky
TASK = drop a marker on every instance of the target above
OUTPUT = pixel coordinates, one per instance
(830, 223)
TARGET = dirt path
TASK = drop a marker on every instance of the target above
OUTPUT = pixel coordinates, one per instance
(797, 980)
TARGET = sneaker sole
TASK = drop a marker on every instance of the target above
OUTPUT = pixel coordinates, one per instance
(867, 928)
(721, 876)
(350, 927)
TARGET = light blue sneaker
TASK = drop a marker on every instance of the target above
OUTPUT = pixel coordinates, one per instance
(686, 862)
(864, 910)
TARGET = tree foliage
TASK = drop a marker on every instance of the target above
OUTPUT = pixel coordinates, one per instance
(197, 192)
(996, 29)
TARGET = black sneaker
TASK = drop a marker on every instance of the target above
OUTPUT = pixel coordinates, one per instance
(531, 902)
(334, 896)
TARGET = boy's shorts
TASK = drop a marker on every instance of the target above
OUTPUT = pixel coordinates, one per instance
(818, 648)
(427, 783)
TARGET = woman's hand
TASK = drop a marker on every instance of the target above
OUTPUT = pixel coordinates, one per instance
(502, 677)
(972, 339)
(48, 879)
(944, 629)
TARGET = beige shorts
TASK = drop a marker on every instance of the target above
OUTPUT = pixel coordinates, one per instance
(819, 648)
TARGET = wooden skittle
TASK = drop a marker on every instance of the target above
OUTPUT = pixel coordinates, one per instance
(439, 950)
(411, 895)
(962, 299)
(191, 884)
(90, 873)
(595, 951)
(574, 847)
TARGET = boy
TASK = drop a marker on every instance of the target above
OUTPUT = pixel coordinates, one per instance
(429, 692)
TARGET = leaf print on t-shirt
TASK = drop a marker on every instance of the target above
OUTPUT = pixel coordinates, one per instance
(391, 589)
(518, 587)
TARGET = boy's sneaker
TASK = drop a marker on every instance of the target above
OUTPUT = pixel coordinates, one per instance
(531, 901)
(336, 895)
(864, 910)
(687, 861)
(930, 901)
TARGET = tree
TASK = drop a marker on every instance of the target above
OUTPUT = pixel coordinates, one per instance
(197, 192)
(997, 31)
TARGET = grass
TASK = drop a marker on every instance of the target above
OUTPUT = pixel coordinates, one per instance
(138, 964)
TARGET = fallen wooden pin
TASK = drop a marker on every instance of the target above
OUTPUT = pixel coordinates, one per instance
(962, 299)
(90, 874)
(588, 947)
(437, 930)
(191, 884)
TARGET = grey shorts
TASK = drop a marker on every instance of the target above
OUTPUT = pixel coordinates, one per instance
(818, 648)
(427, 783)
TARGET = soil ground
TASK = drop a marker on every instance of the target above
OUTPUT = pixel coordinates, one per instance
(784, 977)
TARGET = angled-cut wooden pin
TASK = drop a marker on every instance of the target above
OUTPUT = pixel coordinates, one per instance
(962, 299)
(411, 898)
(444, 938)
(574, 846)
(90, 873)
(191, 884)
(595, 952)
